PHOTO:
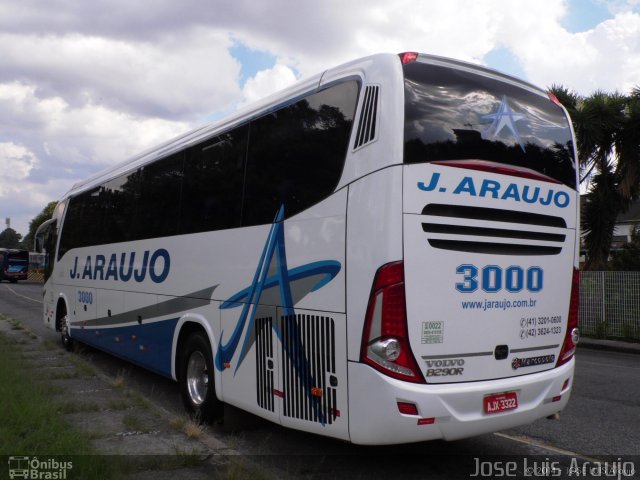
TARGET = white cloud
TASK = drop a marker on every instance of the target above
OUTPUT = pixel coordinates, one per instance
(620, 6)
(88, 134)
(269, 81)
(333, 32)
(178, 76)
(605, 58)
(17, 162)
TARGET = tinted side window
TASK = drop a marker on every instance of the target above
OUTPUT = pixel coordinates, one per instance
(118, 201)
(453, 114)
(158, 206)
(82, 224)
(212, 186)
(296, 154)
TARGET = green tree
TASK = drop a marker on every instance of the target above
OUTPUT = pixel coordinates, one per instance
(628, 258)
(607, 127)
(9, 238)
(43, 216)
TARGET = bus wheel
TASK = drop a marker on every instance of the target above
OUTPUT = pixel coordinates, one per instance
(67, 341)
(197, 385)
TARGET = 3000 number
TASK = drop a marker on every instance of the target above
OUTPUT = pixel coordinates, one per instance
(493, 278)
(85, 297)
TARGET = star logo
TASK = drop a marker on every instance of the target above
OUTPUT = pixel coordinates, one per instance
(504, 118)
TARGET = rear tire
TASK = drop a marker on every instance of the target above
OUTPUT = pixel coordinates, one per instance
(196, 377)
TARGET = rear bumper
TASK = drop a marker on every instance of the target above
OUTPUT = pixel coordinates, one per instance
(457, 409)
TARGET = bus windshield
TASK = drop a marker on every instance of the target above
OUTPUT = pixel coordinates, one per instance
(17, 263)
(456, 114)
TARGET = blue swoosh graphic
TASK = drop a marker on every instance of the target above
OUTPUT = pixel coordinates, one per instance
(249, 299)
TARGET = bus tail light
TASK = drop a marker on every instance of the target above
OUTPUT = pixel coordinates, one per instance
(408, 57)
(573, 333)
(385, 339)
(554, 99)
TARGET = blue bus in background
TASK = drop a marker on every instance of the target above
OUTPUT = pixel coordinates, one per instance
(14, 264)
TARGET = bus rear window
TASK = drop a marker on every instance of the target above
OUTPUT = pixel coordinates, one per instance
(459, 114)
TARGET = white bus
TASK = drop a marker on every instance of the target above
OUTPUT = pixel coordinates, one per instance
(383, 253)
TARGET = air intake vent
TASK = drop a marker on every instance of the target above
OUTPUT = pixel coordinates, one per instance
(264, 362)
(308, 368)
(367, 127)
(482, 230)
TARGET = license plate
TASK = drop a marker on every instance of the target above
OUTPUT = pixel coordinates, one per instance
(500, 402)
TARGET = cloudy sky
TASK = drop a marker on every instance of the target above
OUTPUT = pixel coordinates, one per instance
(85, 84)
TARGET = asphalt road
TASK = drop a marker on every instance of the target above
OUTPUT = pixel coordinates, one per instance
(602, 421)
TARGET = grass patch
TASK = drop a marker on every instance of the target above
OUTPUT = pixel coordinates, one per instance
(83, 367)
(15, 324)
(64, 375)
(78, 407)
(118, 382)
(49, 345)
(118, 404)
(137, 399)
(133, 422)
(187, 426)
(31, 426)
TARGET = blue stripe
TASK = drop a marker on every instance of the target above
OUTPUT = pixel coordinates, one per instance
(148, 345)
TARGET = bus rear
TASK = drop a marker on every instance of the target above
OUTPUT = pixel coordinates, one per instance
(474, 329)
(14, 265)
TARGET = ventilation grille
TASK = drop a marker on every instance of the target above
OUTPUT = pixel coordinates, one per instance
(484, 237)
(264, 362)
(308, 368)
(367, 127)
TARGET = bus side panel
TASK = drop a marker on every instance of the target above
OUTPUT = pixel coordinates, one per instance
(282, 351)
(374, 237)
(109, 302)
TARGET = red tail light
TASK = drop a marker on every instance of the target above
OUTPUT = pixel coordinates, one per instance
(408, 57)
(573, 334)
(554, 99)
(385, 339)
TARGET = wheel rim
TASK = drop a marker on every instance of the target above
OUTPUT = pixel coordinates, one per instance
(197, 378)
(64, 329)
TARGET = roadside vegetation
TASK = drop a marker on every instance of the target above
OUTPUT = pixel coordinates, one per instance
(31, 423)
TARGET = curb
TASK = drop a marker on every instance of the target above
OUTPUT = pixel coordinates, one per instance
(609, 345)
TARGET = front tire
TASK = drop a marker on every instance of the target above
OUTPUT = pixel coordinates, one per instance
(67, 341)
(197, 384)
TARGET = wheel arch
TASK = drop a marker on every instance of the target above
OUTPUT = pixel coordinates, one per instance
(188, 324)
(62, 309)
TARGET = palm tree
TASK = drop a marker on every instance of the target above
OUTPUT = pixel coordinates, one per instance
(607, 128)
